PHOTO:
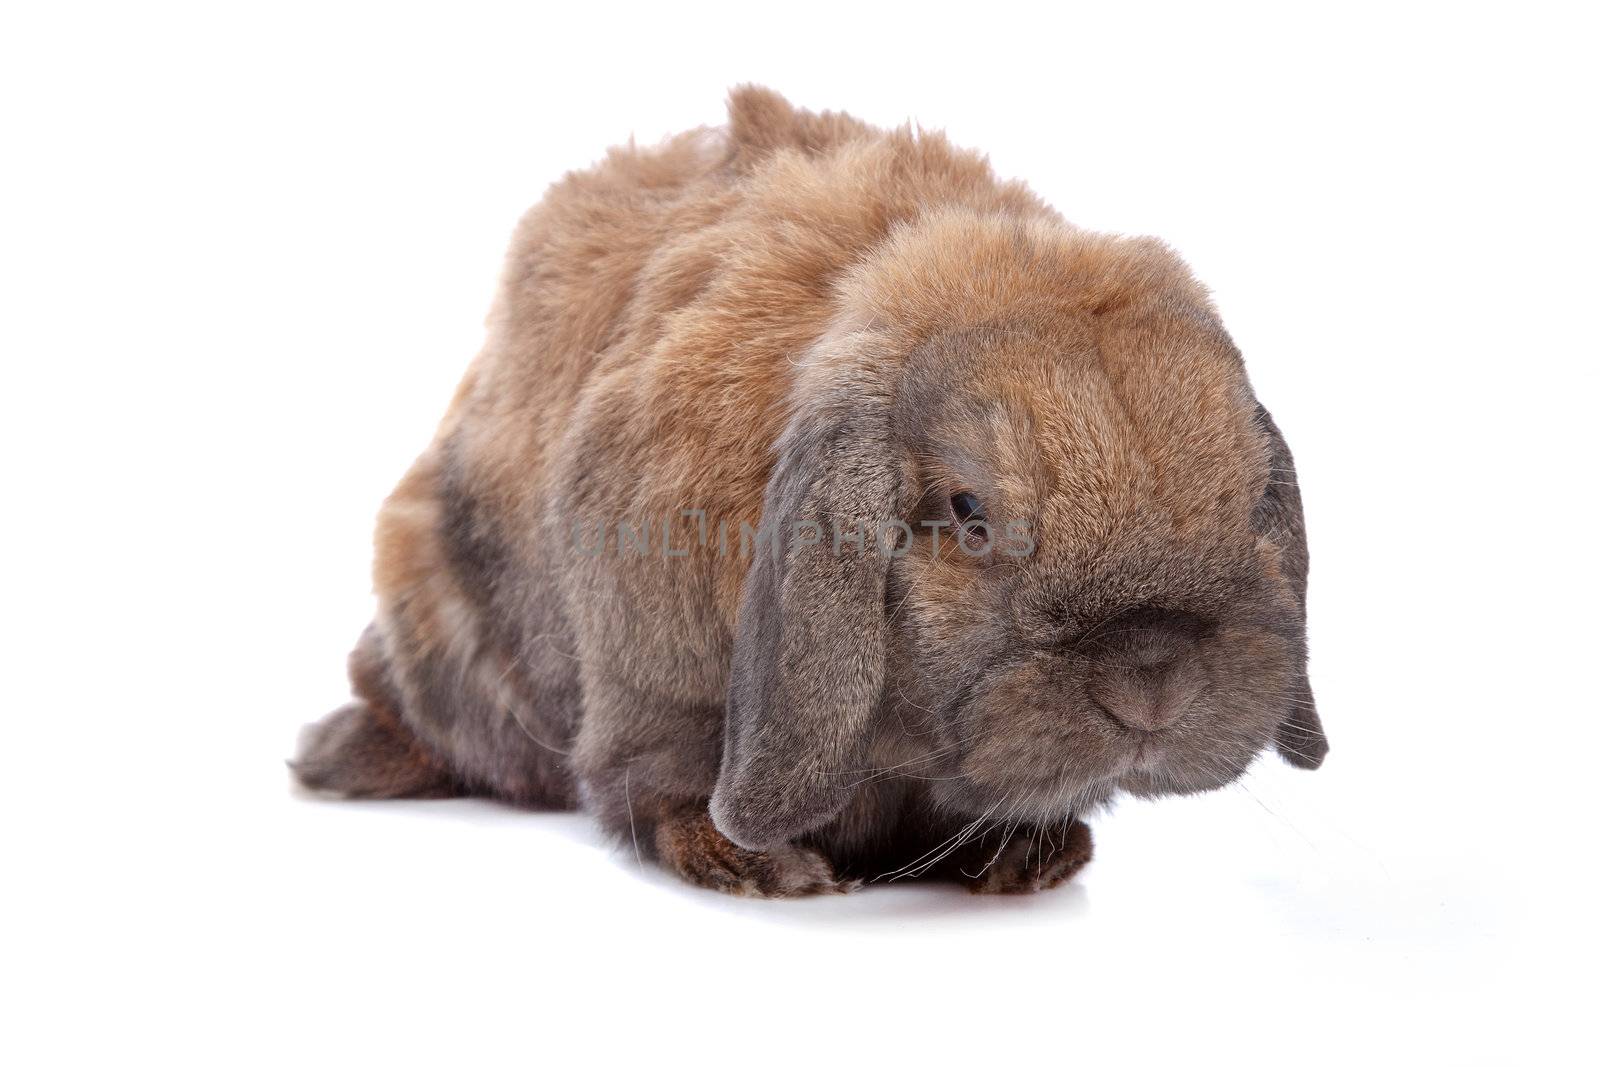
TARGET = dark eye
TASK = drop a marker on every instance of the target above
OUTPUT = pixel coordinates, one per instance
(967, 508)
(970, 519)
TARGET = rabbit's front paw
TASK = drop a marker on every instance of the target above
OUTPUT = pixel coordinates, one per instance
(1029, 862)
(691, 846)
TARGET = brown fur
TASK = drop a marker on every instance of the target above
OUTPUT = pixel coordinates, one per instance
(364, 749)
(801, 316)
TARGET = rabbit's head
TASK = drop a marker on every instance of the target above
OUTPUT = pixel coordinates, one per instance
(1028, 508)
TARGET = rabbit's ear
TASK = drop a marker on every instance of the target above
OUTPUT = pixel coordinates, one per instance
(1300, 738)
(809, 650)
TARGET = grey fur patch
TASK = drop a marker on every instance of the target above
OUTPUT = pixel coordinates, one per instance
(809, 653)
(1300, 739)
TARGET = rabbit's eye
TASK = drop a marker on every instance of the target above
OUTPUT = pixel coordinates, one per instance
(970, 518)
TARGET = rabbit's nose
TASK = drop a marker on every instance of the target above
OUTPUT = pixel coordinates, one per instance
(1147, 699)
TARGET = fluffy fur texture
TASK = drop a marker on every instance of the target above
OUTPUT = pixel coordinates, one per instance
(802, 321)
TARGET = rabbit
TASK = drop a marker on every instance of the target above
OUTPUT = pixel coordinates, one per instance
(822, 510)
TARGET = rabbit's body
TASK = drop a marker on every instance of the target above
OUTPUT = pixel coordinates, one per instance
(565, 588)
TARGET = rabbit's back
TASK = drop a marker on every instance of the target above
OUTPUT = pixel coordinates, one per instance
(653, 308)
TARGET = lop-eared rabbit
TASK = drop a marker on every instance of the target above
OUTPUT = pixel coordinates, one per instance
(823, 510)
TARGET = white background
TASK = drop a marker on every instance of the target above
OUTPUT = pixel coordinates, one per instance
(246, 255)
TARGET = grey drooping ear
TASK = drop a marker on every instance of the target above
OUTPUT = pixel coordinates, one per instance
(1300, 738)
(808, 656)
